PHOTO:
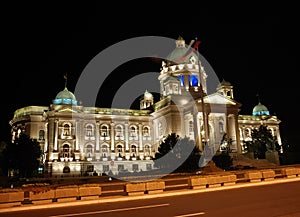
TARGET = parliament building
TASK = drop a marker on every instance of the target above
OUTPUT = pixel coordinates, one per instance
(78, 140)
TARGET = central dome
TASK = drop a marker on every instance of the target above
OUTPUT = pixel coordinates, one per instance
(182, 54)
(65, 97)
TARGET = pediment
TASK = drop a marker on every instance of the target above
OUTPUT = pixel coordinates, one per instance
(217, 98)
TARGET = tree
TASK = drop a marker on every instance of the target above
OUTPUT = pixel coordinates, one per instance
(3, 159)
(224, 160)
(172, 149)
(262, 141)
(24, 155)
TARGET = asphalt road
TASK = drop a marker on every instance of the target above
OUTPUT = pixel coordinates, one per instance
(277, 199)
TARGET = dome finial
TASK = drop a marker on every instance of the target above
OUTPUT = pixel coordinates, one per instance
(258, 98)
(66, 79)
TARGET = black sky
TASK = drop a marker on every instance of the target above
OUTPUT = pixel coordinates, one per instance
(257, 50)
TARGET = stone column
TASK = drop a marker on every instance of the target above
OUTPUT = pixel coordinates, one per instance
(97, 136)
(55, 135)
(206, 126)
(186, 82)
(200, 145)
(46, 138)
(196, 129)
(112, 134)
(140, 136)
(126, 137)
(77, 136)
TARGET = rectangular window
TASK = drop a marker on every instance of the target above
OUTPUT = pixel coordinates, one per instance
(105, 168)
(135, 167)
(120, 167)
(90, 168)
(148, 166)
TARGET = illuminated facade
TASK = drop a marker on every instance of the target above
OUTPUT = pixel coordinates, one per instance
(77, 140)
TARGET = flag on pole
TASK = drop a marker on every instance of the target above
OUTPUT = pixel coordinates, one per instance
(189, 51)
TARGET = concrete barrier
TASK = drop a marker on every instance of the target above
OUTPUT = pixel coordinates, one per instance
(92, 192)
(253, 176)
(66, 194)
(154, 187)
(290, 172)
(12, 197)
(268, 175)
(42, 197)
(213, 181)
(197, 182)
(229, 179)
(135, 188)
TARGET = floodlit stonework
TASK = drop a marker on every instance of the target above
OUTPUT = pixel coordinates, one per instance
(77, 140)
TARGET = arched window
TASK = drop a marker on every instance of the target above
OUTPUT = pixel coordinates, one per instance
(66, 151)
(133, 150)
(66, 169)
(147, 150)
(89, 150)
(67, 130)
(181, 78)
(191, 126)
(104, 150)
(119, 150)
(41, 135)
(104, 131)
(160, 130)
(119, 131)
(221, 127)
(146, 131)
(19, 132)
(193, 80)
(133, 131)
(248, 133)
(89, 130)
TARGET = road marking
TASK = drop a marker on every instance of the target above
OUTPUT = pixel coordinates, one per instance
(112, 210)
(192, 214)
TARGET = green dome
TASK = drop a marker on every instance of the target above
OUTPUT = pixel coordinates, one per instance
(260, 109)
(65, 97)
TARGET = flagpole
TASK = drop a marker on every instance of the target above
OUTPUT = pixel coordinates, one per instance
(66, 79)
(202, 105)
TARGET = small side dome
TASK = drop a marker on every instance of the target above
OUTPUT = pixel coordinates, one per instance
(65, 97)
(260, 109)
(148, 95)
(224, 83)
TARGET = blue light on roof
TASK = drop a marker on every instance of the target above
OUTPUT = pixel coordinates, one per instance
(259, 113)
(181, 78)
(57, 101)
(193, 80)
(64, 101)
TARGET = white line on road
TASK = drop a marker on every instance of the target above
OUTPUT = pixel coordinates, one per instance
(192, 214)
(112, 210)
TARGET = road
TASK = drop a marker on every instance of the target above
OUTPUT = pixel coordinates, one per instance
(279, 199)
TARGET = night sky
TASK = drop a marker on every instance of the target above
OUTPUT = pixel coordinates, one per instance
(256, 50)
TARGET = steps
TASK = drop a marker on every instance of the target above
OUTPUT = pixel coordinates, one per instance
(242, 160)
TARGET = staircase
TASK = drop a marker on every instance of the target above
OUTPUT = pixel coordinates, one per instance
(241, 160)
